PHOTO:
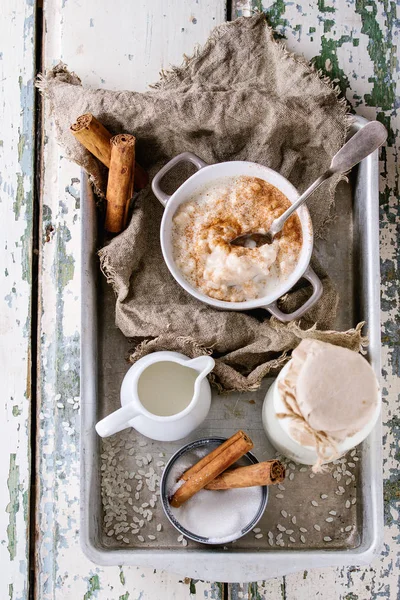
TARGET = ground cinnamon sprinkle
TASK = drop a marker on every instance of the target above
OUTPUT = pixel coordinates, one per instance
(205, 224)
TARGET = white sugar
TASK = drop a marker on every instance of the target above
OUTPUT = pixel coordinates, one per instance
(215, 514)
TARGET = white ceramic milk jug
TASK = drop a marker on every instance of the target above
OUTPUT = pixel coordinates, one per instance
(164, 396)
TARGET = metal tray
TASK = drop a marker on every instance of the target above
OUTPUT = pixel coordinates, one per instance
(351, 256)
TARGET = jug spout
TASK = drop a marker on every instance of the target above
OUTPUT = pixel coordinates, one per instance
(202, 364)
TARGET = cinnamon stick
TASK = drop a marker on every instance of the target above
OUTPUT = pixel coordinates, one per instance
(211, 469)
(120, 181)
(96, 138)
(269, 472)
(209, 457)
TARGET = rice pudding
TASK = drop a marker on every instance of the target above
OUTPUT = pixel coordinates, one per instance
(204, 225)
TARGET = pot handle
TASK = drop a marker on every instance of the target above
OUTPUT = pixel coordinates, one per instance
(184, 157)
(315, 281)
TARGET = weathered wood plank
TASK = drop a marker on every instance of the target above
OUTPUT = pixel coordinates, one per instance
(17, 63)
(115, 45)
(355, 43)
(342, 43)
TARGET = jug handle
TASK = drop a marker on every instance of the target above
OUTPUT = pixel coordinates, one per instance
(118, 420)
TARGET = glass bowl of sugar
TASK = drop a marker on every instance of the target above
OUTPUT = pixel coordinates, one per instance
(211, 516)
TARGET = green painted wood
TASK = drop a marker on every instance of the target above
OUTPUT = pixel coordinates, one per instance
(356, 44)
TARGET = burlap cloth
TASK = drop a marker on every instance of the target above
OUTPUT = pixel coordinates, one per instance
(241, 97)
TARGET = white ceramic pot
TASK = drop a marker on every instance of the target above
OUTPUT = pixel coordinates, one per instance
(278, 430)
(156, 427)
(208, 173)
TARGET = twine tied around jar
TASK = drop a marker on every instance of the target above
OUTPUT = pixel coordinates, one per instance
(325, 446)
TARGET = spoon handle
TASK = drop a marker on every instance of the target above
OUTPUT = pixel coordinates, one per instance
(359, 146)
(280, 221)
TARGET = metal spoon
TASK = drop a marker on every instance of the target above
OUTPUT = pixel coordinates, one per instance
(365, 141)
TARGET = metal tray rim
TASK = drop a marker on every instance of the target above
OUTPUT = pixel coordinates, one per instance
(230, 565)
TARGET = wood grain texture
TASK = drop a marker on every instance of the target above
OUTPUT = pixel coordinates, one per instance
(124, 45)
(17, 63)
(115, 45)
(356, 44)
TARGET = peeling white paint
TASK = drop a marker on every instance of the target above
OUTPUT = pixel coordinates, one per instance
(127, 52)
(16, 181)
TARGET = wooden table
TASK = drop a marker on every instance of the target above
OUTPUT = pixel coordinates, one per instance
(124, 44)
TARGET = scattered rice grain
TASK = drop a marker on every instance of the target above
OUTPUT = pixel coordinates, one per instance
(317, 527)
